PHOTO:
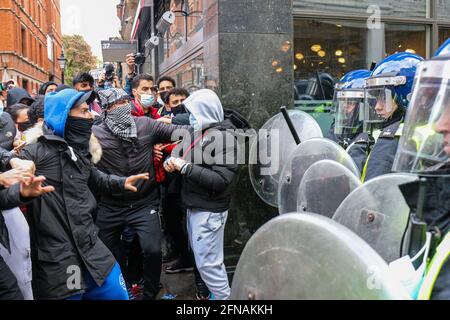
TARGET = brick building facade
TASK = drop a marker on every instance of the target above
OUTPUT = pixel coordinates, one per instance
(30, 42)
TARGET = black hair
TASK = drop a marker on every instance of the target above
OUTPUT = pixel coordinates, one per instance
(141, 77)
(176, 92)
(166, 78)
(14, 110)
(45, 86)
(83, 77)
(36, 111)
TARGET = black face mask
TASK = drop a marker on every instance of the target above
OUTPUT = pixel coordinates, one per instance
(78, 133)
(164, 95)
(24, 126)
(179, 110)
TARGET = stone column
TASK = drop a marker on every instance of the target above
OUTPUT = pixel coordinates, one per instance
(248, 52)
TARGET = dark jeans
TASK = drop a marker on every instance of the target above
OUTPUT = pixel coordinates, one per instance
(133, 262)
(145, 222)
(174, 216)
(9, 289)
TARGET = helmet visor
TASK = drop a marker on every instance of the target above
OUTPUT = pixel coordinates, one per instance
(425, 143)
(349, 118)
(380, 104)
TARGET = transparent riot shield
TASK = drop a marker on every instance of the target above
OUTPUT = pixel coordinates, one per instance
(310, 257)
(271, 149)
(305, 155)
(378, 213)
(324, 186)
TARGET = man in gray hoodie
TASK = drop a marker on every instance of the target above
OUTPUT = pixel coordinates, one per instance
(208, 168)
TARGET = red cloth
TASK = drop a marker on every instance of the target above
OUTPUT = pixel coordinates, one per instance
(96, 107)
(159, 165)
(137, 111)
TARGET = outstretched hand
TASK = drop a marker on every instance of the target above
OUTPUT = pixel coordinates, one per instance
(23, 165)
(34, 188)
(11, 177)
(132, 180)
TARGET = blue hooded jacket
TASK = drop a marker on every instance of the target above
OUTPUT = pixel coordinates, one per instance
(57, 109)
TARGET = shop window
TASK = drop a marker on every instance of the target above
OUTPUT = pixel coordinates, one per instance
(190, 75)
(392, 8)
(444, 34)
(328, 49)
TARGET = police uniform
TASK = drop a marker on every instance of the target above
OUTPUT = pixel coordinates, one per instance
(436, 283)
(382, 156)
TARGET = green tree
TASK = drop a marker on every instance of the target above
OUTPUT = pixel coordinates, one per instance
(79, 56)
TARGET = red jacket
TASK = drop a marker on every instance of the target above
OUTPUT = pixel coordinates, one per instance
(137, 111)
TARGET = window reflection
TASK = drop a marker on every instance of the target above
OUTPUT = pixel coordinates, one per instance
(328, 49)
(403, 8)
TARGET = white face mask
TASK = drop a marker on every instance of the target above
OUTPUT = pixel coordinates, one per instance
(147, 100)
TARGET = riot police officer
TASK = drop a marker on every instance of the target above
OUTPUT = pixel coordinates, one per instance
(425, 149)
(348, 125)
(388, 92)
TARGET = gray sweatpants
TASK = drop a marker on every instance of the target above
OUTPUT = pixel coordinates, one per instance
(206, 233)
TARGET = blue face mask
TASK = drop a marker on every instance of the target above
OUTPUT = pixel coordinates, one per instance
(194, 123)
(147, 100)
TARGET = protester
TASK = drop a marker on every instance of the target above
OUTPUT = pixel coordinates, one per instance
(173, 103)
(144, 94)
(129, 140)
(47, 88)
(84, 82)
(206, 186)
(64, 239)
(164, 85)
(8, 132)
(18, 95)
(19, 114)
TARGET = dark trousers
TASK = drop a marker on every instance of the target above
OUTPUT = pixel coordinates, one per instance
(133, 261)
(9, 289)
(146, 223)
(174, 215)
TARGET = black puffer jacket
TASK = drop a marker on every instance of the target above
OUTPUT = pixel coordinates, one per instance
(208, 187)
(207, 182)
(124, 158)
(63, 234)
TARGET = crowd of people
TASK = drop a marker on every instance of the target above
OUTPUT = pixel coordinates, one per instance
(92, 175)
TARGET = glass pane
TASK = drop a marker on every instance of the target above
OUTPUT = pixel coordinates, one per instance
(328, 49)
(443, 9)
(405, 38)
(190, 75)
(393, 8)
(444, 34)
